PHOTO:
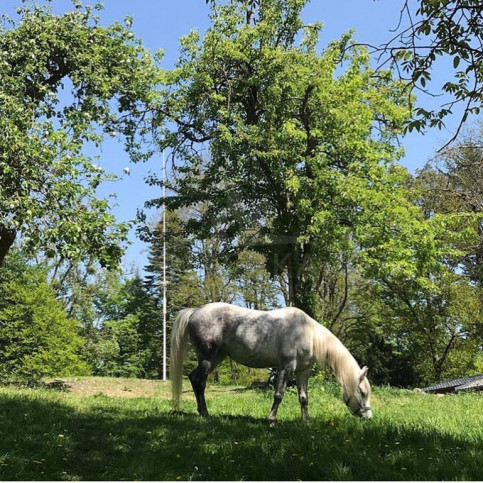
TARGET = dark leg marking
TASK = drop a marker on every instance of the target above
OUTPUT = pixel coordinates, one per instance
(198, 378)
(198, 382)
(280, 387)
(301, 379)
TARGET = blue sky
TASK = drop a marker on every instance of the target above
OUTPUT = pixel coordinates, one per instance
(160, 24)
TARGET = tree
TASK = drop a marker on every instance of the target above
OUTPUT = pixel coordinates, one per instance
(450, 193)
(119, 318)
(184, 287)
(452, 186)
(184, 284)
(36, 337)
(294, 152)
(427, 322)
(437, 326)
(440, 29)
(65, 82)
(253, 283)
(126, 337)
(195, 276)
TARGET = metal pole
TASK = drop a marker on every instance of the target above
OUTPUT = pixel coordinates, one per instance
(164, 268)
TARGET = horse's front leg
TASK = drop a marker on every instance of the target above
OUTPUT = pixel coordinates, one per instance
(302, 379)
(280, 387)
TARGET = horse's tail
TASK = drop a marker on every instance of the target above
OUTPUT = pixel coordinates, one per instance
(179, 339)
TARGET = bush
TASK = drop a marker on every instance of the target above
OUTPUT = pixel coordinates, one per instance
(37, 339)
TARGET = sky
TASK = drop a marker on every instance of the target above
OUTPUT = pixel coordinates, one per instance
(161, 23)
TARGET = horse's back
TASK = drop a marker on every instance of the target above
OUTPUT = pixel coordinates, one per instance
(252, 337)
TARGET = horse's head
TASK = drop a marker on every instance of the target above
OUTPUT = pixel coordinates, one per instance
(357, 396)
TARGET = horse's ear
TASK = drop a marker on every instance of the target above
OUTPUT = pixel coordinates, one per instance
(363, 373)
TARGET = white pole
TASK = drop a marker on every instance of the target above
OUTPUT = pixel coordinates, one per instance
(164, 268)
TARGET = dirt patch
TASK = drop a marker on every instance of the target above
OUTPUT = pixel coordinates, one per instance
(124, 387)
(112, 387)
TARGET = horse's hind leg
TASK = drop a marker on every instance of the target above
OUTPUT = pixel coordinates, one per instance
(302, 379)
(198, 380)
(280, 387)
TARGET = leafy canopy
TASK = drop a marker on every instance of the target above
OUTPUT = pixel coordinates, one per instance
(292, 145)
(430, 31)
(65, 82)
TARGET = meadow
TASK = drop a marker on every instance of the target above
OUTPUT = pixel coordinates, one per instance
(123, 429)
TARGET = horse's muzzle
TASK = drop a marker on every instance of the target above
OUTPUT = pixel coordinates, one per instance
(364, 412)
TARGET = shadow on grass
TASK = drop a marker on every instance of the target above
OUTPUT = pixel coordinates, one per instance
(56, 384)
(53, 441)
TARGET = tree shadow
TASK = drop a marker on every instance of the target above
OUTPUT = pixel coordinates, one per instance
(56, 384)
(53, 441)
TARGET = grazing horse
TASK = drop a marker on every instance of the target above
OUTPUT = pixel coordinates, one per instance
(284, 338)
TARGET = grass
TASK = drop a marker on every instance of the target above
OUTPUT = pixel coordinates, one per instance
(77, 430)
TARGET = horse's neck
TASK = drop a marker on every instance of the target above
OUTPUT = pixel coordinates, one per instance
(332, 352)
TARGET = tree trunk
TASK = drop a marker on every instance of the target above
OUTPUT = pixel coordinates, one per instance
(300, 283)
(301, 293)
(7, 237)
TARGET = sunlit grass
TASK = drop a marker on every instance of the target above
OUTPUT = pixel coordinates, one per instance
(57, 435)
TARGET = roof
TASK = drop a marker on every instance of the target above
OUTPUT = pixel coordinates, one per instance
(463, 384)
(475, 385)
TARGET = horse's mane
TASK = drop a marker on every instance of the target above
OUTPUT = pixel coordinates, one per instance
(328, 350)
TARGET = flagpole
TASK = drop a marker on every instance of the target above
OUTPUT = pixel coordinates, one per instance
(164, 268)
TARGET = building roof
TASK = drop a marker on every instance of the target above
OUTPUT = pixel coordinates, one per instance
(475, 385)
(463, 384)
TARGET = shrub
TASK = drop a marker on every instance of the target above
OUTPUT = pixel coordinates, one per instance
(37, 339)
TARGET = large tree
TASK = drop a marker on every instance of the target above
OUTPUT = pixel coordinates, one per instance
(65, 81)
(295, 145)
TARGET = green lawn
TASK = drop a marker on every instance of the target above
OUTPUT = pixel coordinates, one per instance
(48, 434)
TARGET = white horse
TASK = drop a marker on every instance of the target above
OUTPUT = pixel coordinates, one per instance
(284, 338)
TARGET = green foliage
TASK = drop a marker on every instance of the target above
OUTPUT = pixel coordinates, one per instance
(450, 188)
(441, 29)
(184, 285)
(425, 324)
(120, 353)
(126, 341)
(230, 372)
(65, 82)
(414, 336)
(253, 282)
(36, 337)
